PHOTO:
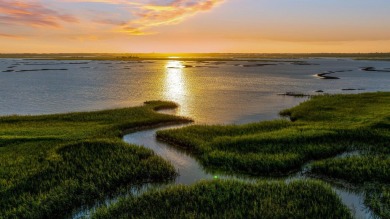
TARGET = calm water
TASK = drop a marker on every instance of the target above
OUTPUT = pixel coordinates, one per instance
(211, 92)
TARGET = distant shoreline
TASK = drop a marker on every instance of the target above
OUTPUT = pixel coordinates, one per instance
(194, 56)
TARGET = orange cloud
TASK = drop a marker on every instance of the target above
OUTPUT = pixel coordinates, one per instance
(150, 15)
(136, 17)
(31, 14)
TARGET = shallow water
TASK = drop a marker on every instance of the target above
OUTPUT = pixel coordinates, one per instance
(225, 93)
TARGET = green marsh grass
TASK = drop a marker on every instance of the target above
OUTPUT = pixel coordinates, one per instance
(369, 172)
(320, 128)
(232, 199)
(378, 199)
(356, 169)
(51, 164)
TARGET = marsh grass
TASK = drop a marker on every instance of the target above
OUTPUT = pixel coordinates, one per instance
(232, 199)
(369, 172)
(320, 128)
(378, 198)
(323, 127)
(356, 169)
(51, 164)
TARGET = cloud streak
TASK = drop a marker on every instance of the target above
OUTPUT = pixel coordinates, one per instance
(152, 15)
(134, 17)
(31, 14)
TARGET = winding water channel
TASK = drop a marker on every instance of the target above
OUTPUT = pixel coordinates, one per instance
(190, 171)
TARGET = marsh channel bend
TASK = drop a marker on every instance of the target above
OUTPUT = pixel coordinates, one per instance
(191, 171)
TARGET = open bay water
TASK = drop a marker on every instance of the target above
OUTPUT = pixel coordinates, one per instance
(209, 92)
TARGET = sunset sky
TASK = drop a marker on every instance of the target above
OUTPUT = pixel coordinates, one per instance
(255, 26)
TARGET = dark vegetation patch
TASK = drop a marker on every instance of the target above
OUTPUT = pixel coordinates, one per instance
(295, 94)
(351, 89)
(206, 66)
(256, 65)
(339, 71)
(325, 75)
(374, 69)
(302, 63)
(43, 69)
(58, 63)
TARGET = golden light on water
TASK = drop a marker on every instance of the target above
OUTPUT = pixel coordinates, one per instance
(175, 85)
(174, 64)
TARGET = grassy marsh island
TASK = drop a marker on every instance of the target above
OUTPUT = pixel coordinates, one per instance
(323, 127)
(320, 128)
(52, 164)
(233, 199)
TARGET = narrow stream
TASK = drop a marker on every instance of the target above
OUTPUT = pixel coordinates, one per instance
(190, 172)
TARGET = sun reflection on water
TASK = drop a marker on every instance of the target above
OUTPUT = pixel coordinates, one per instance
(175, 85)
(174, 64)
